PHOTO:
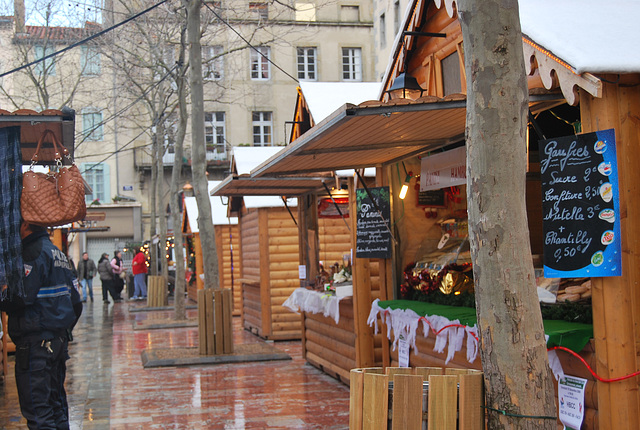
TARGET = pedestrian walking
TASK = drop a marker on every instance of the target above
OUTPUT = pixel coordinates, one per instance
(117, 266)
(106, 277)
(139, 270)
(86, 272)
(40, 325)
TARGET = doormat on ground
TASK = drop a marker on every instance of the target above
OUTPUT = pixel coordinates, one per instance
(153, 323)
(191, 356)
(142, 307)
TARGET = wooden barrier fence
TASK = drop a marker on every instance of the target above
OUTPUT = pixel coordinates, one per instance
(446, 399)
(215, 332)
(157, 292)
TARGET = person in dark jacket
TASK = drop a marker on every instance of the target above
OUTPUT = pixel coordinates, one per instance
(86, 272)
(106, 277)
(40, 325)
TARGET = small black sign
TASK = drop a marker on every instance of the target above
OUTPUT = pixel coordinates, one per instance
(432, 198)
(580, 205)
(373, 239)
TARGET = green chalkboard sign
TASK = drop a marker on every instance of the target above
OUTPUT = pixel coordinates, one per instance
(373, 239)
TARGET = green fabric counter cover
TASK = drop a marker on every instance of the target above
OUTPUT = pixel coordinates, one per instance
(574, 336)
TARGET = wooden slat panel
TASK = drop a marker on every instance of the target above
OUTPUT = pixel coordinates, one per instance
(471, 402)
(443, 402)
(356, 387)
(407, 402)
(375, 401)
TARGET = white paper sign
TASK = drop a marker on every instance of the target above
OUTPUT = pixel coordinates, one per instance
(571, 401)
(444, 170)
(302, 271)
(403, 351)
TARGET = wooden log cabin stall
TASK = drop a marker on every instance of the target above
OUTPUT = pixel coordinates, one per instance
(595, 90)
(269, 252)
(227, 235)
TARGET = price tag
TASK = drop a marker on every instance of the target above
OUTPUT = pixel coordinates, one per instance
(571, 401)
(403, 351)
(302, 271)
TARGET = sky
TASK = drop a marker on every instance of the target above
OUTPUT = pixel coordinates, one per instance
(63, 13)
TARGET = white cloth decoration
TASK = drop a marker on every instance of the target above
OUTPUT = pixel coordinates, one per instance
(407, 320)
(315, 302)
(554, 362)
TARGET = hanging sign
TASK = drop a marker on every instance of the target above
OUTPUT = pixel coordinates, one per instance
(571, 401)
(581, 206)
(373, 239)
(403, 351)
(444, 170)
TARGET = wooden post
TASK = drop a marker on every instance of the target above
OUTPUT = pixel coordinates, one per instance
(265, 279)
(616, 300)
(197, 245)
(218, 322)
(202, 323)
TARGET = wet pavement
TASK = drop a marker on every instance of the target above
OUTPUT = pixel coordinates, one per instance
(108, 388)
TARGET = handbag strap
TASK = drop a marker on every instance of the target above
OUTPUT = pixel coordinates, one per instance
(57, 146)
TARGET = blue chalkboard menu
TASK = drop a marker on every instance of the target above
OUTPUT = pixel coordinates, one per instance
(581, 205)
(373, 239)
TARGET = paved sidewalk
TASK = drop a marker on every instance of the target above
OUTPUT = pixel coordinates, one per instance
(108, 388)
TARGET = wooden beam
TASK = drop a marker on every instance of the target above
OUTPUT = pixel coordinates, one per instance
(265, 277)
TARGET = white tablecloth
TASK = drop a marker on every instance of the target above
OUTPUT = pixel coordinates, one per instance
(304, 300)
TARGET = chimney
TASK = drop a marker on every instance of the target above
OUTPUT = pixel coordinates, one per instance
(19, 15)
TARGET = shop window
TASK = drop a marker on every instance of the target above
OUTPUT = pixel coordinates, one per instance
(451, 81)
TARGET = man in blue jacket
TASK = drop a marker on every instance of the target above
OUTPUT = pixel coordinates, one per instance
(40, 325)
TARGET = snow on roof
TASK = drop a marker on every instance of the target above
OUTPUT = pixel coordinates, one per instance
(591, 35)
(268, 202)
(324, 98)
(218, 210)
(249, 157)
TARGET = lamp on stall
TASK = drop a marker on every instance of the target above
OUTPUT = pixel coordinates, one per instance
(405, 185)
(405, 86)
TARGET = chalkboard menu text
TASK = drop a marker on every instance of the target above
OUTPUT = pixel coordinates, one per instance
(580, 203)
(373, 239)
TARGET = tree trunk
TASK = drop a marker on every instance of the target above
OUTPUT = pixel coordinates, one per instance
(512, 342)
(161, 208)
(153, 192)
(198, 154)
(178, 240)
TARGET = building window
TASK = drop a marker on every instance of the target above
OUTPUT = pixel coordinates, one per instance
(212, 62)
(97, 176)
(396, 17)
(262, 129)
(451, 82)
(350, 13)
(215, 134)
(92, 125)
(260, 68)
(90, 61)
(351, 64)
(260, 10)
(305, 12)
(48, 66)
(307, 60)
(383, 30)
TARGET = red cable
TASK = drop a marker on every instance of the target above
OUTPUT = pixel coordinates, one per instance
(599, 378)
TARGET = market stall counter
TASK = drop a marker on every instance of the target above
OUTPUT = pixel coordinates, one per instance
(447, 336)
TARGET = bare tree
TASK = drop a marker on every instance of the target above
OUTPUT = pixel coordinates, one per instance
(513, 348)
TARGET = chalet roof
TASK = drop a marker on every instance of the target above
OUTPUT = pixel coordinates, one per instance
(58, 34)
(218, 211)
(323, 98)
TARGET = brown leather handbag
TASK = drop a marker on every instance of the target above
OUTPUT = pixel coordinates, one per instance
(53, 198)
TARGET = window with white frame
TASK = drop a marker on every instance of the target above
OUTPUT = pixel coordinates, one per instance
(48, 66)
(90, 61)
(212, 62)
(307, 63)
(260, 67)
(92, 125)
(214, 132)
(351, 64)
(262, 129)
(97, 177)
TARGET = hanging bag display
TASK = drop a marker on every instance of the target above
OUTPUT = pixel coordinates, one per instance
(53, 198)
